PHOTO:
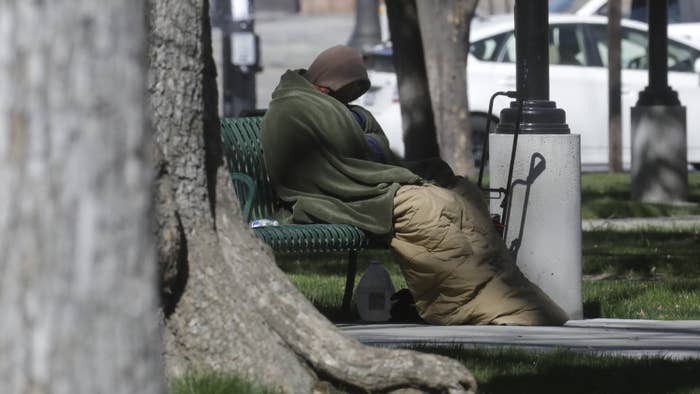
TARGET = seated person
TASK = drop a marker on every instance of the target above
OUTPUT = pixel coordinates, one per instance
(332, 163)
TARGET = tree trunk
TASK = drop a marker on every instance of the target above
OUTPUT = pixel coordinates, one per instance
(445, 33)
(230, 308)
(77, 265)
(614, 87)
(419, 136)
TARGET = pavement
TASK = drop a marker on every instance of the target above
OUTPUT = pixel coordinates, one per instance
(691, 222)
(629, 338)
(292, 41)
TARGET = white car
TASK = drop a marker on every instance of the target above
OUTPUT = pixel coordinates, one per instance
(578, 80)
(683, 15)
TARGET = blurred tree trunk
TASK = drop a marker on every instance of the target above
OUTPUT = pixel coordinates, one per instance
(229, 308)
(614, 87)
(419, 136)
(444, 27)
(77, 265)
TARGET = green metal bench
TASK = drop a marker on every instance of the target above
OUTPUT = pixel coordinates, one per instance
(241, 138)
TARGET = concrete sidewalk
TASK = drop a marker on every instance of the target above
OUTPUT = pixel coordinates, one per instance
(691, 222)
(291, 41)
(630, 338)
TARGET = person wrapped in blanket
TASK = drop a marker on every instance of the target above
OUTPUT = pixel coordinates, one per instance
(331, 162)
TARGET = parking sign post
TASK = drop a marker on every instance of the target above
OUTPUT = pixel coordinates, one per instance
(240, 54)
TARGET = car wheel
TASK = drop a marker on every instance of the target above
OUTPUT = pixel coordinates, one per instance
(478, 123)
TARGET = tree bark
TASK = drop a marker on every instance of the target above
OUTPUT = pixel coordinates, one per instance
(233, 310)
(444, 29)
(417, 119)
(77, 265)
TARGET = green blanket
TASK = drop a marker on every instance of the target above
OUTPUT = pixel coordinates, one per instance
(318, 160)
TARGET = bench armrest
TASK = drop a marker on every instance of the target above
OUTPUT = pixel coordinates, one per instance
(246, 190)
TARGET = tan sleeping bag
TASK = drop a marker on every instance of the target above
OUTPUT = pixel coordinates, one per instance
(456, 265)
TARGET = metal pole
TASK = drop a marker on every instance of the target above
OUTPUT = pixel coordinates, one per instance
(658, 92)
(536, 158)
(658, 51)
(659, 135)
(240, 53)
(532, 52)
(244, 66)
(539, 114)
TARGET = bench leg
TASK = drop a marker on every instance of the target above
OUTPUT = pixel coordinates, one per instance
(349, 282)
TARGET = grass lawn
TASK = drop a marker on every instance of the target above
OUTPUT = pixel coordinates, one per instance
(214, 383)
(649, 274)
(628, 275)
(608, 196)
(510, 371)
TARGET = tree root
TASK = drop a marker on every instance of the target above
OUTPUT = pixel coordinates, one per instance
(312, 337)
(333, 354)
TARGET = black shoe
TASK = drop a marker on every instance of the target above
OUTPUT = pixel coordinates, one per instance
(403, 308)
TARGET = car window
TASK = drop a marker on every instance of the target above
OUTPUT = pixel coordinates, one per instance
(508, 51)
(486, 49)
(566, 46)
(634, 50)
(681, 57)
(560, 5)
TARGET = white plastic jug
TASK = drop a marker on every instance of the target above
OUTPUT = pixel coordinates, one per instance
(373, 294)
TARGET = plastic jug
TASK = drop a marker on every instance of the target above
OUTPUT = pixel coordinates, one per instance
(373, 294)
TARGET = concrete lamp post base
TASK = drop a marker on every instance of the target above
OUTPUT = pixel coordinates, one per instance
(659, 154)
(544, 222)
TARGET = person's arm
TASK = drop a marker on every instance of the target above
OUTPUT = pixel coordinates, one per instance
(376, 140)
(431, 169)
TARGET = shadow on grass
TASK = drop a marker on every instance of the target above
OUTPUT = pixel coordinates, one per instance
(655, 377)
(333, 263)
(644, 253)
(648, 269)
(322, 279)
(608, 196)
(668, 299)
(685, 286)
(212, 382)
(515, 371)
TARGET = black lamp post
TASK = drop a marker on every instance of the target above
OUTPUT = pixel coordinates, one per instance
(539, 114)
(658, 92)
(659, 165)
(539, 171)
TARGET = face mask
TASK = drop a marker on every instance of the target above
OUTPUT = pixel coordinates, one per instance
(351, 91)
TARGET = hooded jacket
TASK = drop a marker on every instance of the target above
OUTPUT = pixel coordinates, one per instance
(342, 70)
(318, 160)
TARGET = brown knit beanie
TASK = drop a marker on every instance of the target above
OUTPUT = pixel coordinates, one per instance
(341, 69)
